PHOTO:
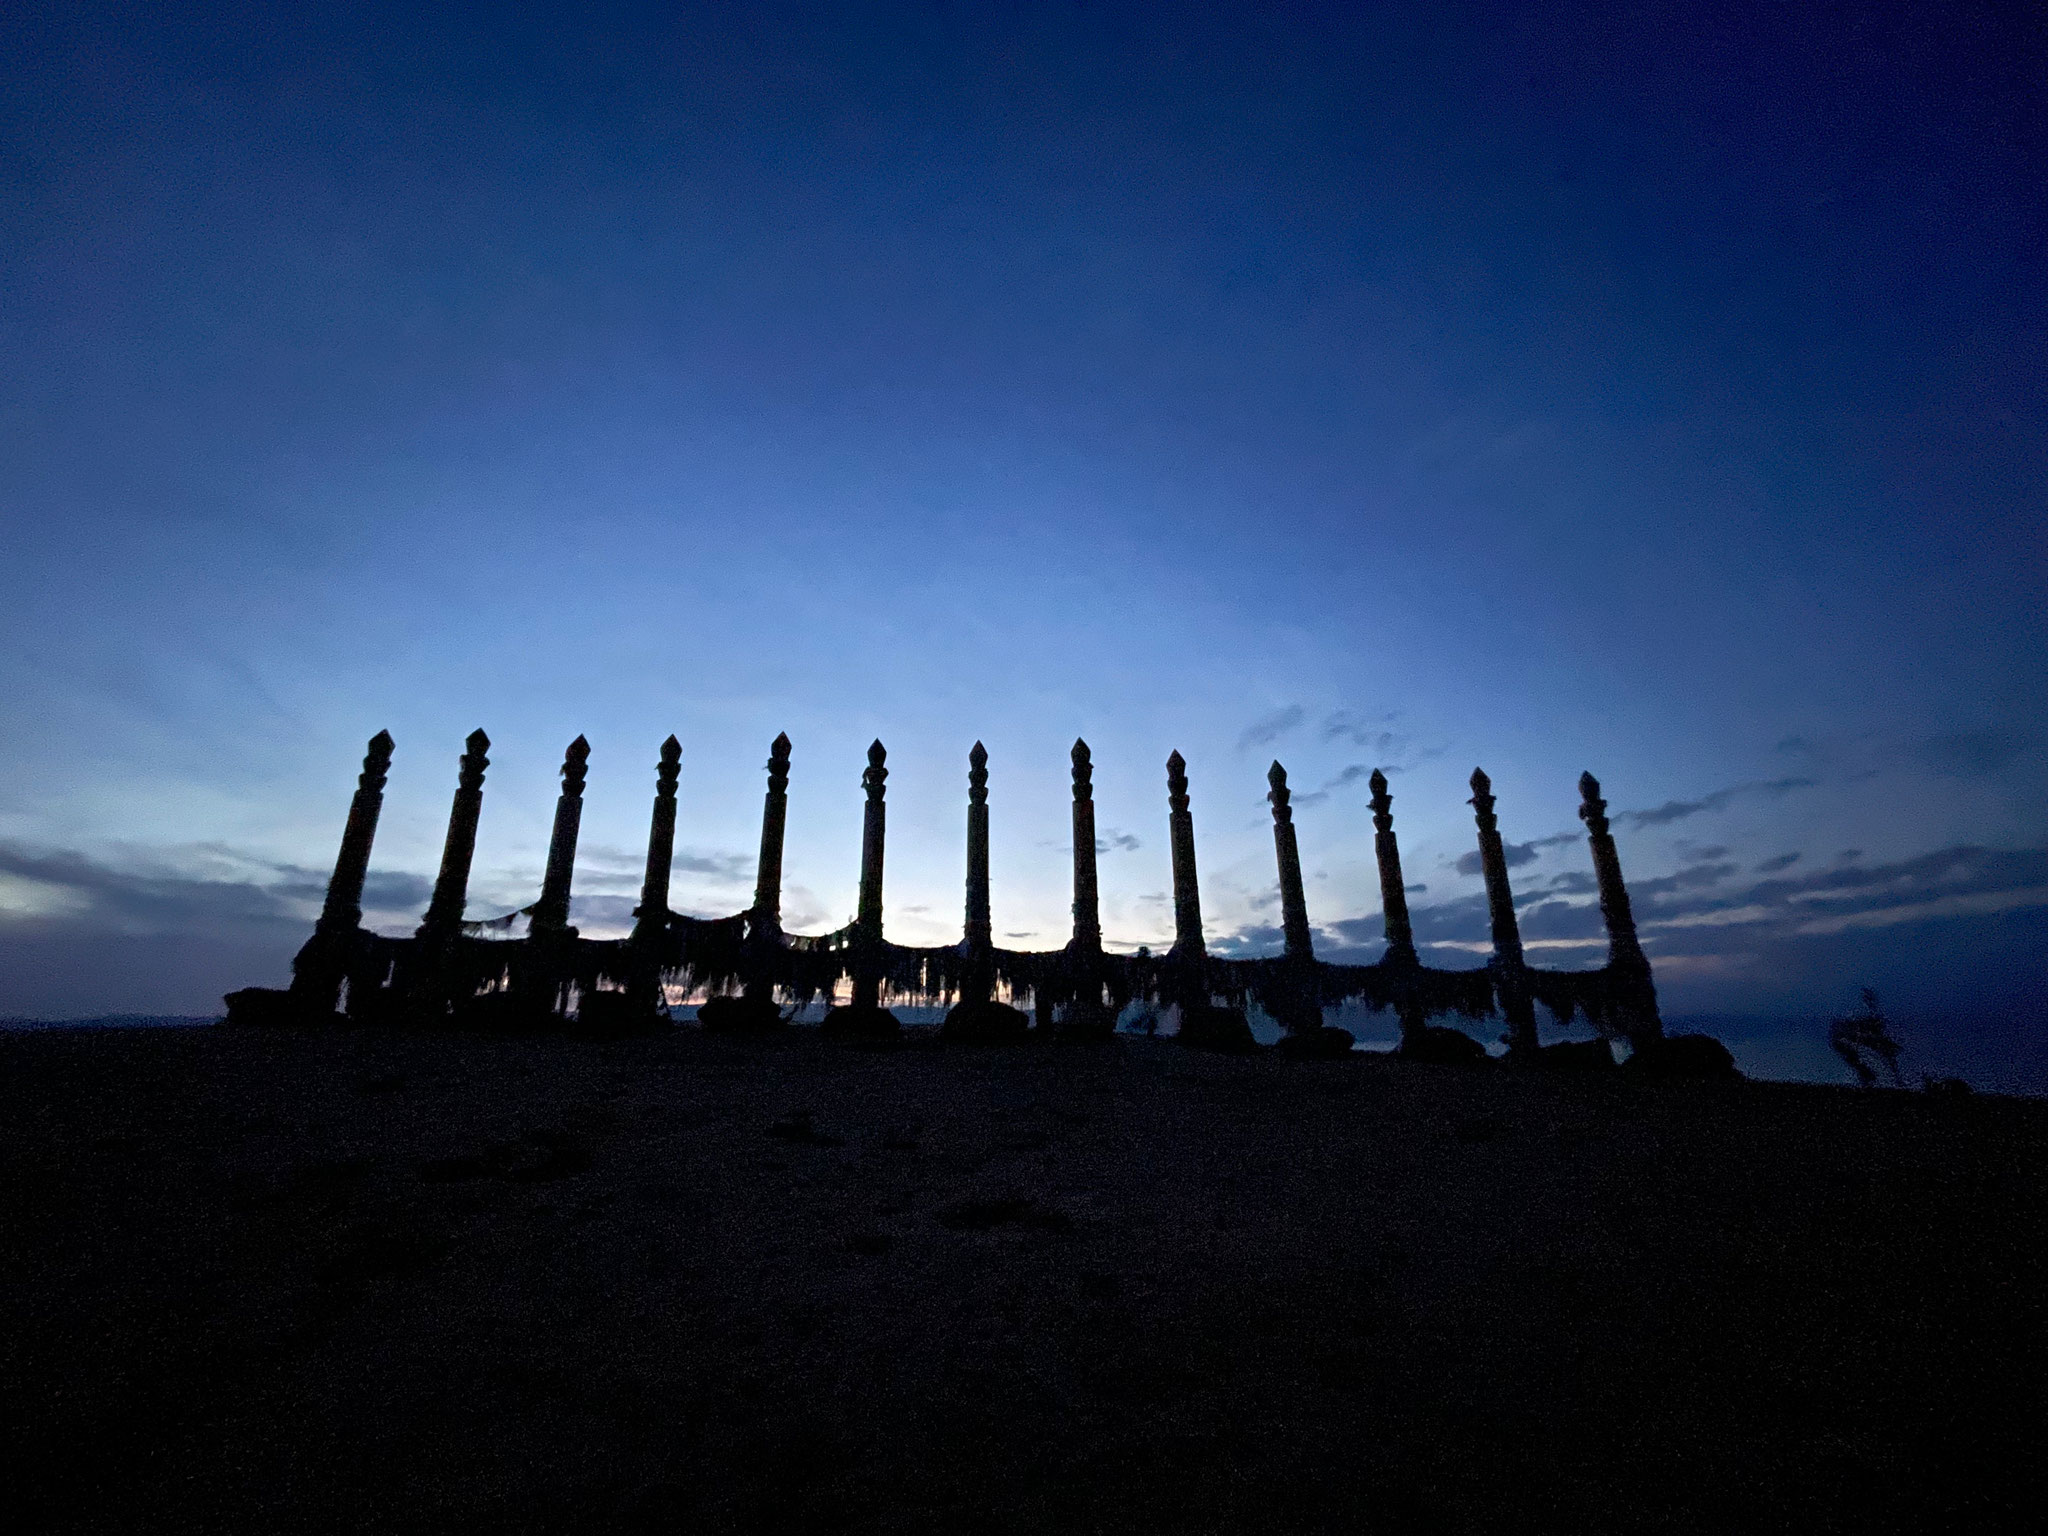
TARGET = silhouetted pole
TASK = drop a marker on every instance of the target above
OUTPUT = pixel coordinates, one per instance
(1510, 970)
(1087, 902)
(1300, 1005)
(980, 928)
(980, 938)
(1393, 893)
(651, 916)
(1293, 902)
(551, 912)
(1400, 953)
(451, 886)
(867, 981)
(322, 965)
(774, 811)
(1187, 894)
(1625, 957)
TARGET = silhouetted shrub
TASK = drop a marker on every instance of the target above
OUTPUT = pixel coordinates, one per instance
(1860, 1036)
(1947, 1088)
(1698, 1056)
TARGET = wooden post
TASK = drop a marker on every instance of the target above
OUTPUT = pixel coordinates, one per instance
(980, 927)
(774, 811)
(1293, 901)
(867, 983)
(1393, 893)
(1510, 970)
(322, 964)
(756, 1009)
(451, 886)
(1626, 961)
(551, 912)
(1297, 1001)
(1201, 1022)
(1400, 954)
(1087, 937)
(650, 918)
(1187, 894)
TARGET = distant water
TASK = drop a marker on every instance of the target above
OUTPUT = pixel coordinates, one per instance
(117, 1021)
(1770, 1048)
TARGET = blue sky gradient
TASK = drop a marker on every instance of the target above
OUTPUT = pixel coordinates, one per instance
(1640, 390)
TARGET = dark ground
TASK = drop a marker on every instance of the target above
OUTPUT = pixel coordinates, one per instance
(278, 1282)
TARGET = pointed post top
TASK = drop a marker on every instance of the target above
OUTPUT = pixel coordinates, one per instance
(381, 745)
(1084, 771)
(1593, 810)
(477, 742)
(1378, 784)
(977, 775)
(671, 751)
(1176, 764)
(1276, 775)
(1481, 784)
(873, 780)
(779, 747)
(1080, 752)
(1382, 803)
(575, 764)
(1279, 794)
(877, 753)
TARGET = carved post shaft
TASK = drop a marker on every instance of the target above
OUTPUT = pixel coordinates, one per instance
(1393, 893)
(321, 965)
(1625, 957)
(1293, 901)
(867, 981)
(1508, 964)
(551, 912)
(1187, 894)
(979, 983)
(774, 812)
(451, 885)
(1087, 901)
(651, 916)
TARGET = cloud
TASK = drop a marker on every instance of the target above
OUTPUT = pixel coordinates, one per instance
(1112, 839)
(1350, 774)
(1517, 854)
(1271, 727)
(1969, 754)
(1678, 810)
(1773, 865)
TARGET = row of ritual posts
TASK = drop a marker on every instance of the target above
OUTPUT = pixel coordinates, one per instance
(454, 972)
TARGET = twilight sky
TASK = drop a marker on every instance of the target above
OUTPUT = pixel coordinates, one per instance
(1656, 391)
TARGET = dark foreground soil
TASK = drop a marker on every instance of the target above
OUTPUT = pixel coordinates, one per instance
(279, 1282)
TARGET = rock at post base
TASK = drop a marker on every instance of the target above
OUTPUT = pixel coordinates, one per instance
(1695, 1056)
(616, 1015)
(1084, 1021)
(1577, 1056)
(1442, 1046)
(860, 1021)
(985, 1023)
(1321, 1042)
(274, 1007)
(740, 1015)
(1210, 1028)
